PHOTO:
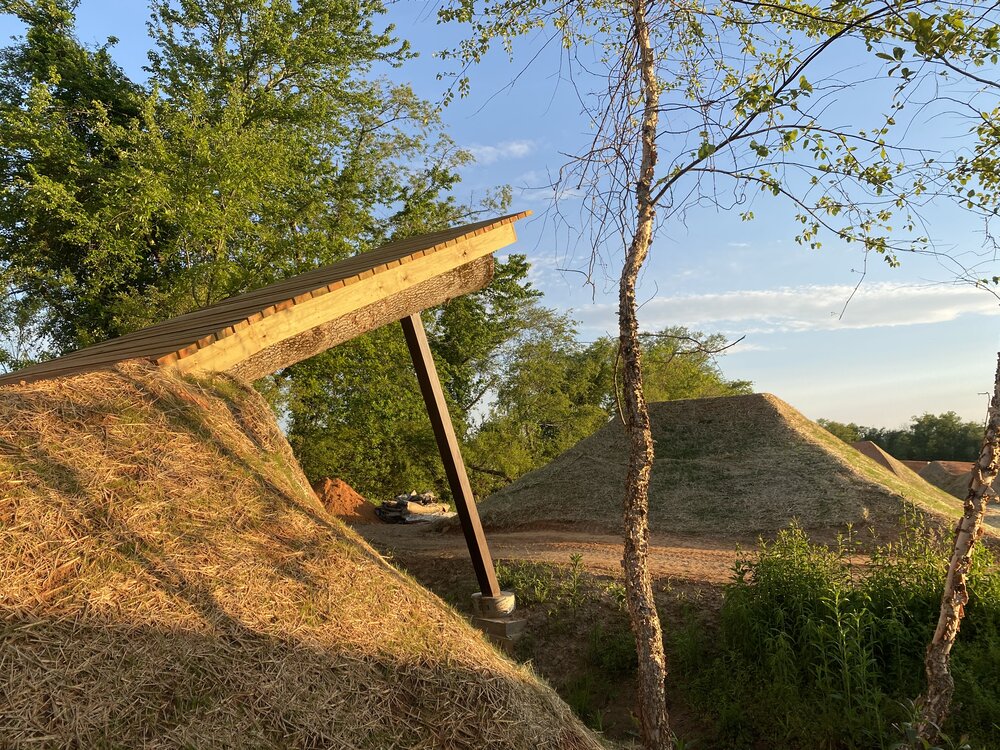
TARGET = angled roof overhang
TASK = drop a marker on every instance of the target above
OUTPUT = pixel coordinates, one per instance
(257, 333)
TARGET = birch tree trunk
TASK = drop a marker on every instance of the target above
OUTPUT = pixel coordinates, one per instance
(936, 701)
(638, 583)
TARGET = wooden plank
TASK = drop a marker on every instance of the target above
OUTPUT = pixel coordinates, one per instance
(186, 335)
(179, 333)
(430, 293)
(451, 454)
(227, 353)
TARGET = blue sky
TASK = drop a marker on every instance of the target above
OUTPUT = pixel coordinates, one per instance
(908, 343)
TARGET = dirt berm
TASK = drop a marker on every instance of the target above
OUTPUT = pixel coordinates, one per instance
(736, 466)
(169, 580)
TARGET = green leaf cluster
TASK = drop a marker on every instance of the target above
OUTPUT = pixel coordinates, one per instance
(263, 143)
(928, 437)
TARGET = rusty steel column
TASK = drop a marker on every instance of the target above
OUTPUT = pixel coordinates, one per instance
(451, 455)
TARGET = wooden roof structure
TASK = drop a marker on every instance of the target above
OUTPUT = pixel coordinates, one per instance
(259, 332)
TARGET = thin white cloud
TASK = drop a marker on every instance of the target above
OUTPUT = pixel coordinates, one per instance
(749, 346)
(808, 308)
(503, 151)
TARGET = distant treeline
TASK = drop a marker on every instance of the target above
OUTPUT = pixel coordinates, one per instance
(931, 437)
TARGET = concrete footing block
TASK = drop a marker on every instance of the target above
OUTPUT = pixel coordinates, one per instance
(502, 631)
(494, 615)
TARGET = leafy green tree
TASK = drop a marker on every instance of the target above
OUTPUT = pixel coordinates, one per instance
(682, 364)
(355, 412)
(65, 114)
(945, 437)
(849, 432)
(552, 393)
(261, 145)
(895, 441)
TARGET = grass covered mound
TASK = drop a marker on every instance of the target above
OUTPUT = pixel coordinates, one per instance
(737, 465)
(168, 579)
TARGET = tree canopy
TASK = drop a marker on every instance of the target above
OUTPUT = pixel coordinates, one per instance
(262, 144)
(929, 437)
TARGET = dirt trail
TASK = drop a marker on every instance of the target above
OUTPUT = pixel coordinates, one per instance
(686, 559)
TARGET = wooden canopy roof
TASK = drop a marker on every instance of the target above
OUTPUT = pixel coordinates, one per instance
(256, 333)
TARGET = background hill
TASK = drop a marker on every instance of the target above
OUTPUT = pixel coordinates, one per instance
(737, 465)
(169, 579)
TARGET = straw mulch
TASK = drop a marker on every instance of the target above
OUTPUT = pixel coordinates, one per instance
(737, 466)
(168, 579)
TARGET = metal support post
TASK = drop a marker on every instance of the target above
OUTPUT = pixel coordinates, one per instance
(451, 455)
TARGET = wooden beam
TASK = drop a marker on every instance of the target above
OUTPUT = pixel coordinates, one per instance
(451, 455)
(227, 353)
(433, 292)
(217, 332)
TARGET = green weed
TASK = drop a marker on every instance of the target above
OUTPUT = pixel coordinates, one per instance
(532, 583)
(612, 649)
(585, 694)
(541, 583)
(813, 652)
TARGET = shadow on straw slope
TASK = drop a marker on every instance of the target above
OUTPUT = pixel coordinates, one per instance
(168, 579)
(129, 686)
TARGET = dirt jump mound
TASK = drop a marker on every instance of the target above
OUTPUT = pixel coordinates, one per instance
(738, 466)
(168, 579)
(951, 476)
(883, 459)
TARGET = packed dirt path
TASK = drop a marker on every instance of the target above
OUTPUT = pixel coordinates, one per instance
(678, 558)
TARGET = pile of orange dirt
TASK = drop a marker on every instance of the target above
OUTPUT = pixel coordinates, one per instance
(168, 579)
(735, 466)
(343, 501)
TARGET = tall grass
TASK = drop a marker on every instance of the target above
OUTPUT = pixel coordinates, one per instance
(817, 651)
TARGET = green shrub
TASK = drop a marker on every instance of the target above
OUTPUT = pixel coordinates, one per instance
(814, 651)
(612, 649)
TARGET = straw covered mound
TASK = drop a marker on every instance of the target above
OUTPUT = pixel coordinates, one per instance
(168, 579)
(739, 466)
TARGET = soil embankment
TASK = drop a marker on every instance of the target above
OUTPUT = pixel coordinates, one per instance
(168, 579)
(732, 467)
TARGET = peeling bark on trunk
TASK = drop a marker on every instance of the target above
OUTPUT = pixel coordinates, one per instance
(638, 583)
(936, 701)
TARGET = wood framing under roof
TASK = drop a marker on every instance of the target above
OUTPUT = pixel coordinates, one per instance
(257, 333)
